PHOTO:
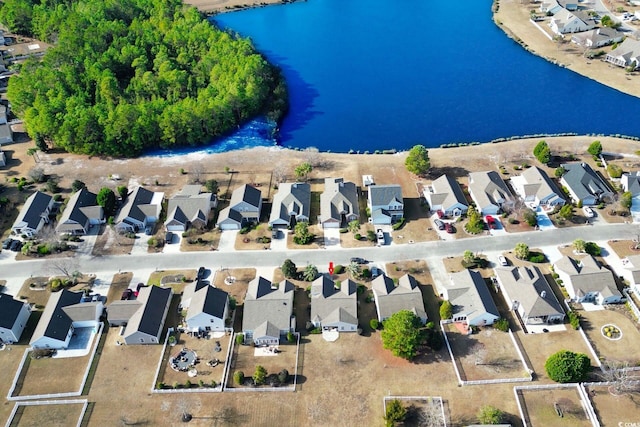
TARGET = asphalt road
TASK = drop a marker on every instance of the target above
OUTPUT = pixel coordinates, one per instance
(14, 270)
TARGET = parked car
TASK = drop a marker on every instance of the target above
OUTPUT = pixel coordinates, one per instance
(168, 238)
(275, 233)
(503, 261)
(96, 297)
(201, 272)
(449, 228)
(127, 294)
(491, 222)
(380, 236)
(375, 272)
(439, 224)
(16, 245)
(358, 260)
(440, 213)
(6, 244)
(588, 212)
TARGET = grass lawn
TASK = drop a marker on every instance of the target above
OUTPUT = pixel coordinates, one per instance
(39, 376)
(316, 243)
(110, 242)
(37, 294)
(626, 348)
(416, 226)
(245, 358)
(119, 283)
(541, 408)
(488, 354)
(66, 414)
(250, 241)
(209, 240)
(348, 240)
(624, 248)
(611, 409)
(177, 279)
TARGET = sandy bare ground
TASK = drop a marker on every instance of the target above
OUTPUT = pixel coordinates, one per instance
(215, 6)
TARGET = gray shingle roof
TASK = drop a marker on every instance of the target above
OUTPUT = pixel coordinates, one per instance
(487, 188)
(382, 195)
(9, 310)
(81, 207)
(188, 207)
(330, 305)
(391, 299)
(209, 300)
(537, 183)
(588, 275)
(149, 317)
(138, 205)
(631, 182)
(446, 192)
(338, 198)
(265, 302)
(469, 293)
(33, 209)
(584, 181)
(55, 322)
(291, 198)
(529, 287)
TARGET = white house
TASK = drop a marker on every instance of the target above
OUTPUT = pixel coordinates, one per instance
(82, 213)
(33, 215)
(268, 311)
(488, 191)
(586, 280)
(291, 204)
(536, 188)
(140, 211)
(334, 306)
(564, 22)
(444, 194)
(584, 184)
(528, 293)
(391, 298)
(627, 54)
(63, 313)
(146, 322)
(6, 134)
(13, 318)
(598, 37)
(338, 203)
(385, 203)
(244, 208)
(208, 308)
(472, 302)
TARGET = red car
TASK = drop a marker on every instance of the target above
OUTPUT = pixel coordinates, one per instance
(491, 222)
(449, 228)
(440, 214)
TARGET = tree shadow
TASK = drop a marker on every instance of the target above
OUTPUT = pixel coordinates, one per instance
(436, 171)
(300, 379)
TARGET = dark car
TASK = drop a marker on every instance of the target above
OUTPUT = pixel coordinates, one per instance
(275, 233)
(439, 224)
(127, 294)
(358, 260)
(6, 244)
(16, 245)
(168, 238)
(450, 229)
(200, 275)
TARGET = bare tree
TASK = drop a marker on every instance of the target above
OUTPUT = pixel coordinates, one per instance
(37, 174)
(312, 156)
(622, 378)
(67, 267)
(279, 173)
(195, 173)
(431, 414)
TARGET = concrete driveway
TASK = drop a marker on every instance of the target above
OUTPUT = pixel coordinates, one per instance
(280, 244)
(228, 240)
(332, 238)
(174, 246)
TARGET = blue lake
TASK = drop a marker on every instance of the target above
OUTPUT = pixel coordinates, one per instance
(378, 74)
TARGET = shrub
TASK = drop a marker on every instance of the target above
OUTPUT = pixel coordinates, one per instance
(283, 376)
(395, 413)
(490, 415)
(374, 323)
(357, 236)
(614, 171)
(260, 375)
(574, 319)
(536, 257)
(501, 324)
(239, 339)
(187, 384)
(446, 310)
(291, 337)
(567, 367)
(238, 377)
(160, 385)
(398, 224)
(592, 249)
(338, 269)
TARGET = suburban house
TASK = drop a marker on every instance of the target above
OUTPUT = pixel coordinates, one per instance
(189, 208)
(6, 134)
(631, 271)
(291, 204)
(244, 208)
(144, 317)
(140, 211)
(528, 293)
(598, 37)
(564, 21)
(207, 309)
(471, 299)
(536, 188)
(584, 184)
(268, 311)
(338, 203)
(445, 195)
(13, 318)
(627, 54)
(586, 280)
(550, 6)
(64, 313)
(33, 215)
(488, 191)
(391, 299)
(631, 182)
(385, 203)
(334, 306)
(82, 213)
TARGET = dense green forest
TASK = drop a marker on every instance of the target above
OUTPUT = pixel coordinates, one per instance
(127, 75)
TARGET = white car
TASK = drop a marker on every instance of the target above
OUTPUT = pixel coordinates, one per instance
(588, 212)
(380, 236)
(503, 261)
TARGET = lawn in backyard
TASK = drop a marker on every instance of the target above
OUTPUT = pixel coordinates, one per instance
(555, 407)
(67, 414)
(245, 358)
